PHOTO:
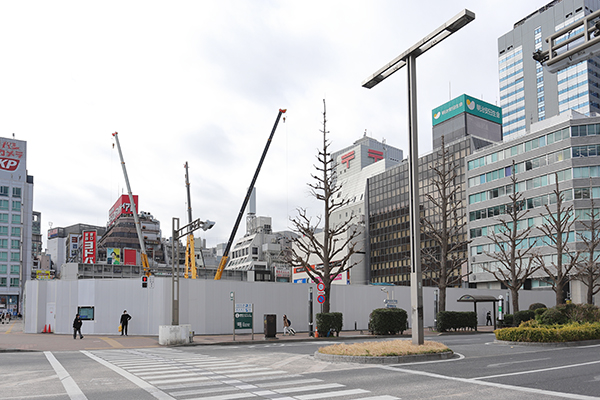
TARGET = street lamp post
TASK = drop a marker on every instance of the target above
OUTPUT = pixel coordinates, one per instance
(409, 58)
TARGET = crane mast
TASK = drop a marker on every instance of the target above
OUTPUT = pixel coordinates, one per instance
(138, 227)
(246, 199)
(190, 256)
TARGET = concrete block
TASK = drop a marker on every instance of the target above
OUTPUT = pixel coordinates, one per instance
(174, 334)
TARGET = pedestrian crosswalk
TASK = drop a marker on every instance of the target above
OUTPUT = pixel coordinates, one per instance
(174, 374)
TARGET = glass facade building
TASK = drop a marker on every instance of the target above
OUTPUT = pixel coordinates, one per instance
(529, 93)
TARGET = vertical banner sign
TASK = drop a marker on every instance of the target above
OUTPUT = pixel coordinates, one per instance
(89, 247)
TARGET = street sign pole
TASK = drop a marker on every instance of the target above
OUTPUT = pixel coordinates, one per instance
(232, 297)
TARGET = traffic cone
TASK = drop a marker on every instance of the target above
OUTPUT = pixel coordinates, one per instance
(316, 332)
(49, 328)
(45, 331)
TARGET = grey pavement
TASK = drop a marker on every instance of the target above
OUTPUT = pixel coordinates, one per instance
(12, 338)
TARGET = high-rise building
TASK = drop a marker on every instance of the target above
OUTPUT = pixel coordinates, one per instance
(16, 217)
(529, 93)
(466, 124)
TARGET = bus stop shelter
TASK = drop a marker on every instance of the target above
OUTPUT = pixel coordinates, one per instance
(470, 298)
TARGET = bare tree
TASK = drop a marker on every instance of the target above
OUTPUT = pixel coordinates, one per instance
(446, 227)
(335, 245)
(556, 227)
(588, 269)
(512, 251)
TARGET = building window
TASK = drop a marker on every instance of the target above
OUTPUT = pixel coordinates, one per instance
(14, 269)
(16, 192)
(14, 244)
(16, 205)
(3, 282)
(4, 218)
(14, 282)
(255, 250)
(3, 190)
(15, 231)
(16, 218)
(3, 204)
(2, 268)
(3, 256)
(3, 243)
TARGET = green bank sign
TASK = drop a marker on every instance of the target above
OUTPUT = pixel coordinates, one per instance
(468, 104)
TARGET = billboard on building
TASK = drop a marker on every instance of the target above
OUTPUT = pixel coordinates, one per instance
(73, 245)
(13, 157)
(113, 256)
(130, 257)
(122, 206)
(468, 104)
(52, 233)
(89, 247)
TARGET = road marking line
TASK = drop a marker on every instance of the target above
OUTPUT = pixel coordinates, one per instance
(112, 342)
(10, 327)
(132, 378)
(517, 362)
(538, 370)
(327, 395)
(384, 397)
(67, 381)
(309, 388)
(496, 385)
(283, 383)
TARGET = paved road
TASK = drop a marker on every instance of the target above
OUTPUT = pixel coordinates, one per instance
(287, 370)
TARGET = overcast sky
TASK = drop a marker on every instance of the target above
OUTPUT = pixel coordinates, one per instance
(202, 82)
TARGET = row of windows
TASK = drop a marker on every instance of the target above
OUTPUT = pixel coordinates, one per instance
(516, 81)
(511, 75)
(515, 111)
(527, 146)
(513, 121)
(509, 66)
(15, 218)
(14, 282)
(568, 88)
(14, 269)
(16, 205)
(574, 97)
(4, 191)
(496, 265)
(516, 129)
(504, 106)
(507, 95)
(532, 183)
(15, 231)
(508, 57)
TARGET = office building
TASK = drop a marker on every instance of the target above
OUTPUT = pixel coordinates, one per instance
(566, 147)
(528, 92)
(469, 124)
(16, 218)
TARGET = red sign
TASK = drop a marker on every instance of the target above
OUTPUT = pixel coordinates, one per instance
(347, 157)
(129, 256)
(89, 247)
(10, 155)
(122, 206)
(377, 155)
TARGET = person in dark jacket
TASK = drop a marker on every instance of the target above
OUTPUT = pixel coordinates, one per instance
(77, 327)
(124, 322)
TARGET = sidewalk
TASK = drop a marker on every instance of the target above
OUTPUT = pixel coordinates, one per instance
(12, 338)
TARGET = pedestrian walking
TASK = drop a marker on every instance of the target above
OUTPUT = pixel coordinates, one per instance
(488, 318)
(124, 322)
(287, 326)
(77, 327)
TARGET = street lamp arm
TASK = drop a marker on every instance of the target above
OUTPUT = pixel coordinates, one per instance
(458, 21)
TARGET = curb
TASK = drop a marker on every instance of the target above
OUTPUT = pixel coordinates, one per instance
(385, 360)
(551, 344)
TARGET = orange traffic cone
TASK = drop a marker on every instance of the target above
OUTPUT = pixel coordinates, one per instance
(49, 329)
(45, 331)
(316, 332)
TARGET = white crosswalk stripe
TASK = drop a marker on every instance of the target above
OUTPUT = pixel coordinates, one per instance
(174, 374)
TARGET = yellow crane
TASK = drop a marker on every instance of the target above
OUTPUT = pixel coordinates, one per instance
(190, 254)
(223, 262)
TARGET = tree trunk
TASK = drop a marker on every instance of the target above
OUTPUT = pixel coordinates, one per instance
(590, 291)
(442, 299)
(514, 294)
(560, 299)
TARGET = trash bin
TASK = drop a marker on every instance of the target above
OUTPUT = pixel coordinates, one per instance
(270, 325)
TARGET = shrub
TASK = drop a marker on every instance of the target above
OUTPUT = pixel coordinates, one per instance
(535, 306)
(388, 321)
(329, 322)
(546, 334)
(580, 312)
(539, 312)
(454, 320)
(521, 316)
(553, 316)
(507, 321)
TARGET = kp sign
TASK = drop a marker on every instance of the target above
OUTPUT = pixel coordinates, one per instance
(122, 206)
(12, 155)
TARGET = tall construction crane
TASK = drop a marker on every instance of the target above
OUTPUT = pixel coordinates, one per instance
(190, 256)
(138, 227)
(225, 257)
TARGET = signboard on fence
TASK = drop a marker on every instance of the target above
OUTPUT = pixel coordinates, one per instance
(243, 315)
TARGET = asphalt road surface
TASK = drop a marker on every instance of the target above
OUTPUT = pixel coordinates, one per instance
(481, 369)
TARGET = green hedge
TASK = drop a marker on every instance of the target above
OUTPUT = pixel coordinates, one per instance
(455, 320)
(535, 306)
(388, 321)
(327, 322)
(507, 321)
(522, 316)
(553, 316)
(549, 334)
